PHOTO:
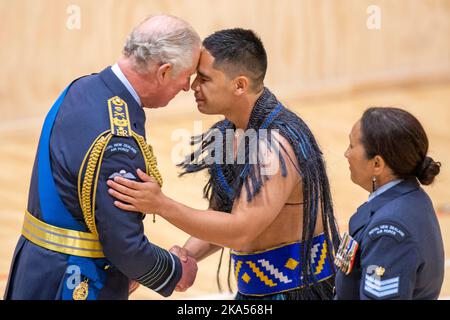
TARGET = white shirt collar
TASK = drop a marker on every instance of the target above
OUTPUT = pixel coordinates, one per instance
(384, 188)
(116, 69)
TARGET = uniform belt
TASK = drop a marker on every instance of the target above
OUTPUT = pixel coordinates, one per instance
(77, 243)
(278, 270)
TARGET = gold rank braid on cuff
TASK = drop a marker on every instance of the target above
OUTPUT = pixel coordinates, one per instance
(87, 190)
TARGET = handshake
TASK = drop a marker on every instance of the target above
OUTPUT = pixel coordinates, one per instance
(189, 267)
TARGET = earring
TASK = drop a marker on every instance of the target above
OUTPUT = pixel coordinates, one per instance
(374, 184)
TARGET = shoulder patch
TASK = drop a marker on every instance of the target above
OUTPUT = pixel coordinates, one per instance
(124, 174)
(121, 147)
(389, 229)
(119, 117)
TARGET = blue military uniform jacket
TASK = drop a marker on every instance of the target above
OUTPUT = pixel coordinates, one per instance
(40, 273)
(401, 254)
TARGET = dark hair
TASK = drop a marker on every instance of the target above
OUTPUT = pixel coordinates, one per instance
(238, 52)
(399, 138)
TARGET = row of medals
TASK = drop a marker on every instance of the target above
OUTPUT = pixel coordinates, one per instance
(345, 256)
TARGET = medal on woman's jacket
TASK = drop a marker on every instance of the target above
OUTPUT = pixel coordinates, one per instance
(345, 256)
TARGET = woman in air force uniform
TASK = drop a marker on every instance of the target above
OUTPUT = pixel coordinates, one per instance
(394, 247)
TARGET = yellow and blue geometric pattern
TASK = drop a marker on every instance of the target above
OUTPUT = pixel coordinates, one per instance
(277, 270)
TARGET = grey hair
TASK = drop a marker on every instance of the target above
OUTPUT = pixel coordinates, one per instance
(167, 40)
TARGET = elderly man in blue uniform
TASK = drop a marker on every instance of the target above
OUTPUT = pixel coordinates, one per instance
(75, 243)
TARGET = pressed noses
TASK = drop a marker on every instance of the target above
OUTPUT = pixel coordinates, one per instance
(187, 85)
(194, 85)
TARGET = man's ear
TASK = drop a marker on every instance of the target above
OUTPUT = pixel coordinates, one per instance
(163, 72)
(241, 85)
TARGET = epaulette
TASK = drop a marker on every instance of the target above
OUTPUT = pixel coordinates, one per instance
(119, 117)
(120, 127)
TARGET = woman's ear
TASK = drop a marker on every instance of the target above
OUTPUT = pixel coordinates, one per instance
(163, 72)
(241, 85)
(378, 165)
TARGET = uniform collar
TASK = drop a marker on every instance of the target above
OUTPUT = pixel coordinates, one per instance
(119, 74)
(365, 211)
(137, 114)
(383, 188)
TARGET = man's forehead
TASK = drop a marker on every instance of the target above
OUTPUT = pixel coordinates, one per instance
(206, 59)
(206, 64)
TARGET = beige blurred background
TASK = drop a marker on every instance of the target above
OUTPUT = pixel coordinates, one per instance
(328, 60)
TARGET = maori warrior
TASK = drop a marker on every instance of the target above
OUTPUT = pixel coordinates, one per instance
(226, 180)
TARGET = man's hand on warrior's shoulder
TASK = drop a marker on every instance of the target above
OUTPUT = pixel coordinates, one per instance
(145, 196)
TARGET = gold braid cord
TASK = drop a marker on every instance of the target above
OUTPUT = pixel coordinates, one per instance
(150, 159)
(89, 185)
(119, 127)
(88, 206)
